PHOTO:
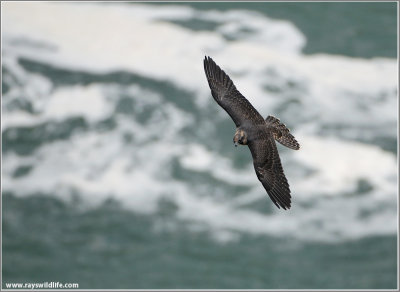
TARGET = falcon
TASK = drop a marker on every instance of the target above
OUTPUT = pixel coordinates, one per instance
(257, 133)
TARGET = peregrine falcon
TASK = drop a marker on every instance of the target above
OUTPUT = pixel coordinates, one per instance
(257, 133)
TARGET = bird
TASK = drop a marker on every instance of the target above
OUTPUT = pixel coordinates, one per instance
(257, 133)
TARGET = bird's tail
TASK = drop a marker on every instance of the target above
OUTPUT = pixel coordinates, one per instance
(282, 133)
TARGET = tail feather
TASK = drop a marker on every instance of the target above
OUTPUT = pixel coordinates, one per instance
(282, 134)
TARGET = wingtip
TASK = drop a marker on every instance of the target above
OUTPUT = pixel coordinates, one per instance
(209, 66)
(208, 59)
(281, 202)
(285, 207)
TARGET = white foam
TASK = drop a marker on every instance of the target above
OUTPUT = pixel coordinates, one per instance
(100, 166)
(338, 166)
(63, 103)
(196, 157)
(163, 55)
(256, 28)
(85, 101)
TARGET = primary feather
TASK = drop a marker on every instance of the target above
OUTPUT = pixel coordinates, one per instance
(228, 97)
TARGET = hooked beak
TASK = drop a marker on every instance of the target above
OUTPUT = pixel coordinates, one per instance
(236, 143)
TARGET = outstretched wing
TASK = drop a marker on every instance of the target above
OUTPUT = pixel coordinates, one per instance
(268, 167)
(228, 97)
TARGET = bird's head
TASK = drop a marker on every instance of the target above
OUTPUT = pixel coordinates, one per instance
(240, 138)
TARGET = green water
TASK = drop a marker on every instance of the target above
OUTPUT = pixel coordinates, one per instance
(340, 28)
(46, 240)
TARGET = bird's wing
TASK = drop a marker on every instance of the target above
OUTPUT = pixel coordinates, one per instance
(268, 167)
(228, 97)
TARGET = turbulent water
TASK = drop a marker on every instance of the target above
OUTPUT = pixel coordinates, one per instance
(119, 169)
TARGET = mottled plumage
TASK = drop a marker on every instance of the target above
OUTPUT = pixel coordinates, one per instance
(254, 131)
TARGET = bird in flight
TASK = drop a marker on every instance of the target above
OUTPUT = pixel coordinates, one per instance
(257, 133)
